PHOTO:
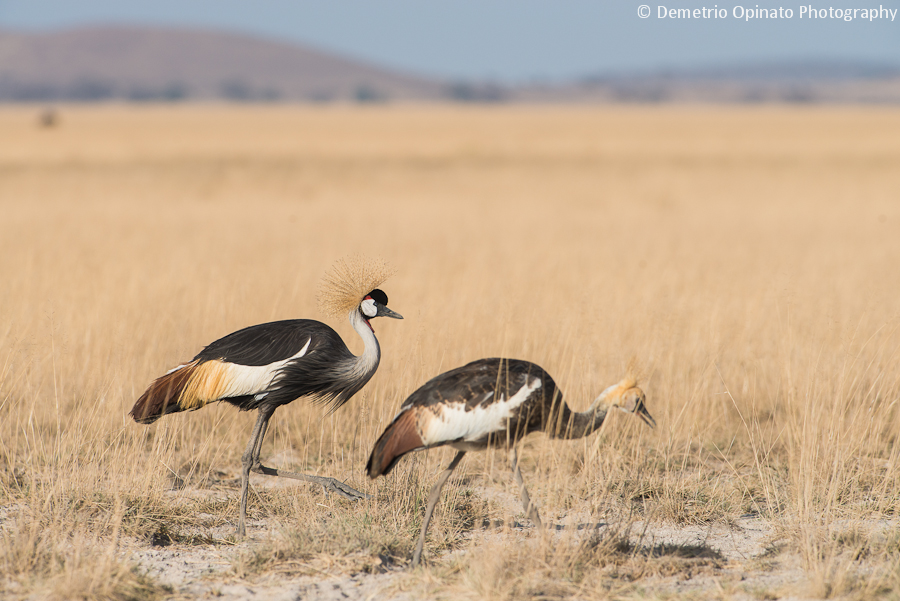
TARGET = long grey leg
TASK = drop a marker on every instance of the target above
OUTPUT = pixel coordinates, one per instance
(329, 484)
(254, 458)
(531, 510)
(432, 501)
(247, 460)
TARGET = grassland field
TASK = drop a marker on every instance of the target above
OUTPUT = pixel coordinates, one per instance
(745, 259)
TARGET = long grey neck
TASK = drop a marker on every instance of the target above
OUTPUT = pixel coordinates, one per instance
(364, 366)
(573, 424)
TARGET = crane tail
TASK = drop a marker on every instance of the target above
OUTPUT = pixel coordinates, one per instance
(401, 437)
(162, 396)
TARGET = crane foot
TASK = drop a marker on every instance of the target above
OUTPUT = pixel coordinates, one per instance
(339, 488)
(331, 485)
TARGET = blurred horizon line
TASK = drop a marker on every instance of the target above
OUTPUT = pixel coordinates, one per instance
(178, 63)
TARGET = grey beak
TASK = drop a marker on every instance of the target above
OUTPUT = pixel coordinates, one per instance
(645, 415)
(385, 312)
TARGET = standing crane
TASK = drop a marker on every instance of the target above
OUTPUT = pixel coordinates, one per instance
(492, 402)
(268, 365)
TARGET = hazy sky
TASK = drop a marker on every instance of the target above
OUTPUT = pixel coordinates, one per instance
(510, 40)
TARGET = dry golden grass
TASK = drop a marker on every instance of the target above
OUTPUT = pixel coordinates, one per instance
(747, 258)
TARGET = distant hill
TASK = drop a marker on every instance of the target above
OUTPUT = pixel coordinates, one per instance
(817, 81)
(169, 64)
(138, 63)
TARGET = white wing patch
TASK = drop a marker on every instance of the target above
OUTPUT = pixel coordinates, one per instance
(271, 370)
(455, 423)
(246, 379)
(218, 379)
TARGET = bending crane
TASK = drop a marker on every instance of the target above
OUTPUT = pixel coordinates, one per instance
(492, 402)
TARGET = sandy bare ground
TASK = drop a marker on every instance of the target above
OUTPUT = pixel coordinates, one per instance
(741, 558)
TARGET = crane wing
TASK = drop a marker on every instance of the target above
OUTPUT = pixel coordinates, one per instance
(269, 343)
(477, 384)
(465, 407)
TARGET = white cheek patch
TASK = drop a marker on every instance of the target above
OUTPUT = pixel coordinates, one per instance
(368, 308)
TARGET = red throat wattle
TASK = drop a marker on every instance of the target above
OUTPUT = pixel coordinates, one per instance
(367, 321)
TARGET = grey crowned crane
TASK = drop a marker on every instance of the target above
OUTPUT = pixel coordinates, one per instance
(265, 366)
(492, 402)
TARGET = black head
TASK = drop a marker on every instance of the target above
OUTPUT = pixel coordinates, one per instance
(375, 305)
(378, 296)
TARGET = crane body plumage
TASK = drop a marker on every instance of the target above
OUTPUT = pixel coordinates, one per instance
(491, 403)
(268, 365)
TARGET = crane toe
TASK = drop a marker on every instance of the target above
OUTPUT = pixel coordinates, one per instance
(337, 487)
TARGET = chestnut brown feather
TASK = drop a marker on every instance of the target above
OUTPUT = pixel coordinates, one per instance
(398, 439)
(162, 396)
